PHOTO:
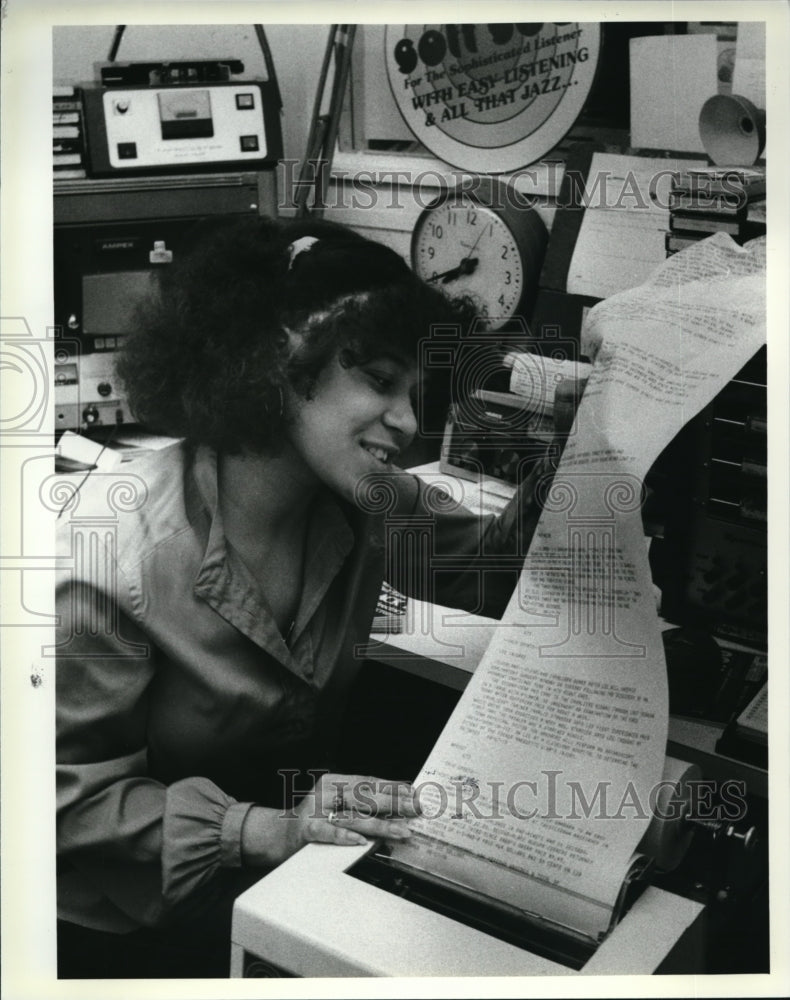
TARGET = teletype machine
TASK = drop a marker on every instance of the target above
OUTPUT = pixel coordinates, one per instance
(419, 908)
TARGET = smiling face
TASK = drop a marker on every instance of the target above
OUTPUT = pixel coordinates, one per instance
(357, 423)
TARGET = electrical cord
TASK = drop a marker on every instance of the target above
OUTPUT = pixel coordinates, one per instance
(267, 58)
(116, 42)
(93, 468)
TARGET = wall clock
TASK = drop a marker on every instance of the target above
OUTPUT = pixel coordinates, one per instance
(484, 240)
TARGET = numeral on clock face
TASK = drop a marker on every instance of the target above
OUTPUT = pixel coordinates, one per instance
(468, 249)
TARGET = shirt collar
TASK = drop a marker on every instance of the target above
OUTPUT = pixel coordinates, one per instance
(230, 591)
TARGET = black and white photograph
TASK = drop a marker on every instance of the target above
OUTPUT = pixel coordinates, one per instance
(394, 452)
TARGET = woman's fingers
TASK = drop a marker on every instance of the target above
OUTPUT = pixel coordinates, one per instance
(324, 832)
(372, 826)
(354, 829)
(396, 798)
(370, 796)
(349, 809)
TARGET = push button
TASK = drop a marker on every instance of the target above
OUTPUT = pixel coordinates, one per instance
(127, 150)
(249, 143)
(245, 101)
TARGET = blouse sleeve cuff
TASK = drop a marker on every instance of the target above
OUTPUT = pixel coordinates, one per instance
(201, 836)
(230, 834)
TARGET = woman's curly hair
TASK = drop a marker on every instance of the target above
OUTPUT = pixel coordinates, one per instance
(211, 356)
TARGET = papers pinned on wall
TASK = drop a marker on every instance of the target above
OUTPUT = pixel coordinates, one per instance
(671, 78)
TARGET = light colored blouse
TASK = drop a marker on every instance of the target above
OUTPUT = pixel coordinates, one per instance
(178, 699)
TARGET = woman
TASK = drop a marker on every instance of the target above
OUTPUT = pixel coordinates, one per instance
(196, 717)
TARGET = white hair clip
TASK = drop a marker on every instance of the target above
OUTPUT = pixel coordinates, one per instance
(299, 246)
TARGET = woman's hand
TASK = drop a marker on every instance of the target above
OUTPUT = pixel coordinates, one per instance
(341, 809)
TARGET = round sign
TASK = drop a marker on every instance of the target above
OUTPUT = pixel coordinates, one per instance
(491, 97)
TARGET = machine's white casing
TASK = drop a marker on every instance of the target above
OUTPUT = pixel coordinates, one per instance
(310, 918)
(136, 115)
(88, 392)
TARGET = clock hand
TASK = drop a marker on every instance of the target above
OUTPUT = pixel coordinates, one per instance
(467, 266)
(474, 245)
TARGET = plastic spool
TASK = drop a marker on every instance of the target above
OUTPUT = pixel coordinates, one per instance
(668, 836)
(732, 130)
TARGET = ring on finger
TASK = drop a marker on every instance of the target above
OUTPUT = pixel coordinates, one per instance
(338, 807)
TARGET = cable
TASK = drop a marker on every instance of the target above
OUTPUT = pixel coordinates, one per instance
(93, 468)
(116, 42)
(267, 58)
(324, 127)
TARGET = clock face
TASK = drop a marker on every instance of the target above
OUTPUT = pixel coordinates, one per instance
(467, 249)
